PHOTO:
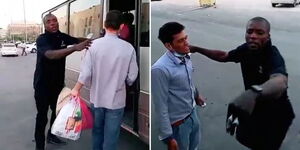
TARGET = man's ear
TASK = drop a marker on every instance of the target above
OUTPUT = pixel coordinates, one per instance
(168, 46)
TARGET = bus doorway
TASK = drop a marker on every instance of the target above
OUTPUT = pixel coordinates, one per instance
(128, 8)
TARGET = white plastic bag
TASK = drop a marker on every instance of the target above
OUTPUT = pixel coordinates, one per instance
(68, 122)
(63, 98)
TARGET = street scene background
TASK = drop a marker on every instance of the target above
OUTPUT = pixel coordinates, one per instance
(223, 27)
(21, 19)
(18, 111)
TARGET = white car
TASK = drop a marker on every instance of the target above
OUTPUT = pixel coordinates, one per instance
(290, 2)
(9, 49)
(31, 47)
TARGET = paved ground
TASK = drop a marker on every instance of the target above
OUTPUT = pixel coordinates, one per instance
(17, 110)
(223, 27)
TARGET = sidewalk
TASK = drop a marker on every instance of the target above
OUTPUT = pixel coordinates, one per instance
(126, 142)
(18, 110)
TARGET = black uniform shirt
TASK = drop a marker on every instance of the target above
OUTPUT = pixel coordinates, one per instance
(50, 74)
(257, 67)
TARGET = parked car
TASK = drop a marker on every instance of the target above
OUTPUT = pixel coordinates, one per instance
(289, 2)
(31, 47)
(9, 49)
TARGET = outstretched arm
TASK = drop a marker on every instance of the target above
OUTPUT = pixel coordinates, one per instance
(57, 54)
(275, 86)
(217, 55)
(272, 89)
(81, 39)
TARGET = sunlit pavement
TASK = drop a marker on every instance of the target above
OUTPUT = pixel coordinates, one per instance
(223, 28)
(17, 110)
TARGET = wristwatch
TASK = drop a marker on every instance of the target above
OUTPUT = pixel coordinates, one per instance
(256, 88)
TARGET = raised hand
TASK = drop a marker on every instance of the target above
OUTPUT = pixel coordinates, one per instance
(83, 45)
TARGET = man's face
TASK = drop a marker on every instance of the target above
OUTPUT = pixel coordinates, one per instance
(51, 24)
(257, 35)
(180, 43)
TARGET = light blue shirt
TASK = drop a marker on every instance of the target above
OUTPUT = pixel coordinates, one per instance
(108, 65)
(172, 91)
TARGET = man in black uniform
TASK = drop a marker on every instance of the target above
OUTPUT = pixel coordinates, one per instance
(50, 74)
(264, 111)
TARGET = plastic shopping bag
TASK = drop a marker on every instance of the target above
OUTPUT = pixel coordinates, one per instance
(68, 122)
(63, 98)
(87, 117)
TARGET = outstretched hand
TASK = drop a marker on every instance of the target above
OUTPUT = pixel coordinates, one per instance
(83, 45)
(246, 101)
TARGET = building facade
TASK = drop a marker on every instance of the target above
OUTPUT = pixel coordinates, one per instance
(17, 31)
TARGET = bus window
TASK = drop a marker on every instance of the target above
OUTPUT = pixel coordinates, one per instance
(85, 18)
(144, 33)
(61, 14)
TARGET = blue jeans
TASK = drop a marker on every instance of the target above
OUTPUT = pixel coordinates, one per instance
(106, 130)
(188, 133)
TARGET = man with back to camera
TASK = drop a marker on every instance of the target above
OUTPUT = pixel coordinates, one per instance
(264, 111)
(173, 92)
(50, 74)
(109, 64)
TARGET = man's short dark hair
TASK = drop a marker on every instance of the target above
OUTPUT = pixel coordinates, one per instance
(168, 30)
(46, 16)
(113, 19)
(128, 18)
(261, 19)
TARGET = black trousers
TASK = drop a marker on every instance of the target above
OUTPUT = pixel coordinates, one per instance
(43, 102)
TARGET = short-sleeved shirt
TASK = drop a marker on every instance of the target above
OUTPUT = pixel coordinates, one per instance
(257, 67)
(50, 73)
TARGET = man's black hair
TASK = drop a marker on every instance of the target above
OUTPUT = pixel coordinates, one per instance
(113, 19)
(128, 18)
(46, 16)
(168, 30)
(261, 19)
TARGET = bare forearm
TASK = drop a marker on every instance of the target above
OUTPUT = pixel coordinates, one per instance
(78, 86)
(81, 39)
(76, 90)
(217, 55)
(274, 87)
(57, 54)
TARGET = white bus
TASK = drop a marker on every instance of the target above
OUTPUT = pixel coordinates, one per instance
(78, 18)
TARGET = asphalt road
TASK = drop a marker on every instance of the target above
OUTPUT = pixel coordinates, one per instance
(17, 110)
(223, 28)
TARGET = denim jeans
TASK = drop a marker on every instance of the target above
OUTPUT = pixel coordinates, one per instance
(106, 130)
(188, 133)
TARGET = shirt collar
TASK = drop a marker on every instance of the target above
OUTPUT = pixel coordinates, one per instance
(107, 34)
(262, 52)
(52, 34)
(176, 57)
